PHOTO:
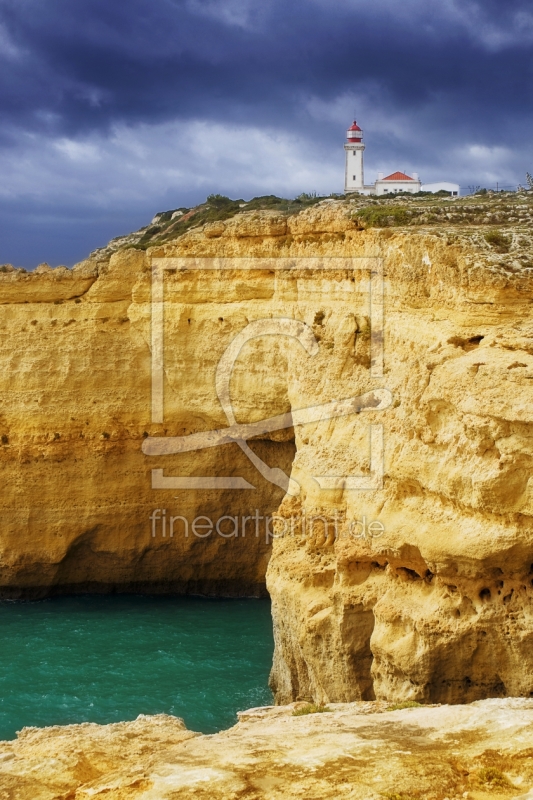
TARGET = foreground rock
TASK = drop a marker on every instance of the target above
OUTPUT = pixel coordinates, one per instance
(359, 750)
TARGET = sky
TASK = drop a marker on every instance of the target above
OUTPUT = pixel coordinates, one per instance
(113, 110)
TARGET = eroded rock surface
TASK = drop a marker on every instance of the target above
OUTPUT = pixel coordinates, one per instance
(436, 608)
(361, 751)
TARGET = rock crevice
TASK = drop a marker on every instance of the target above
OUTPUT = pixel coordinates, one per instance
(434, 602)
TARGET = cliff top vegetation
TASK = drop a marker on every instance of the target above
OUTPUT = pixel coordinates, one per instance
(492, 211)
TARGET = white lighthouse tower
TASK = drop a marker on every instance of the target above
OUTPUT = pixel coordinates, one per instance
(398, 182)
(354, 179)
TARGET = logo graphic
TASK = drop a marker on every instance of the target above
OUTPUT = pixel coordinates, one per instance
(240, 433)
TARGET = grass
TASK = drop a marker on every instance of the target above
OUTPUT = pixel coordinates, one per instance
(310, 708)
(499, 241)
(383, 216)
(388, 211)
(217, 208)
(489, 776)
(405, 704)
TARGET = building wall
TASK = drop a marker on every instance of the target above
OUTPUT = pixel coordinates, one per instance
(392, 187)
(454, 188)
(353, 175)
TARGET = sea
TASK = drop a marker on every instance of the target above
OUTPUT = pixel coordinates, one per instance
(107, 658)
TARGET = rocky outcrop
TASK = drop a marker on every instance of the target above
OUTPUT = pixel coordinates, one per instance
(435, 603)
(432, 602)
(358, 751)
(76, 408)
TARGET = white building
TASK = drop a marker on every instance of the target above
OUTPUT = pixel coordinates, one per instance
(446, 186)
(397, 182)
(354, 174)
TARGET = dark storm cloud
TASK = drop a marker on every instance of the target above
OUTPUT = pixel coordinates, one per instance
(69, 67)
(114, 109)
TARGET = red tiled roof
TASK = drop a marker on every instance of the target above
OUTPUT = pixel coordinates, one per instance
(398, 176)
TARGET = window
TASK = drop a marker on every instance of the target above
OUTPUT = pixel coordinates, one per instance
(354, 177)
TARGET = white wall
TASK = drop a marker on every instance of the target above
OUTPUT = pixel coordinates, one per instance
(454, 188)
(392, 187)
(353, 175)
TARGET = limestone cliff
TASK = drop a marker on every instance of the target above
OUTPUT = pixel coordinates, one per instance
(356, 751)
(435, 602)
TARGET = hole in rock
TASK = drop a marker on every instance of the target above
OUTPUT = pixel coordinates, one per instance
(485, 594)
(406, 573)
(466, 344)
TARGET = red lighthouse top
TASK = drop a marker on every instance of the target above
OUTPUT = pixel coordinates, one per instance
(354, 133)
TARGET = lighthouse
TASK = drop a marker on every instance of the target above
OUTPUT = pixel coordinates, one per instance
(354, 179)
(396, 183)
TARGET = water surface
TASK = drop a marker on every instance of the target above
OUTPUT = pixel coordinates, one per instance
(109, 658)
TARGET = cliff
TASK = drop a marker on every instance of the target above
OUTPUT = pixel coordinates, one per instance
(357, 751)
(433, 603)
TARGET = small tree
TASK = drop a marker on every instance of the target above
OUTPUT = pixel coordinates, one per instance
(219, 200)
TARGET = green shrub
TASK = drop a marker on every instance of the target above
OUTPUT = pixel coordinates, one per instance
(383, 216)
(220, 200)
(310, 708)
(489, 776)
(499, 241)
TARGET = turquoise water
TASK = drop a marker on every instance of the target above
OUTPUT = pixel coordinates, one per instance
(105, 659)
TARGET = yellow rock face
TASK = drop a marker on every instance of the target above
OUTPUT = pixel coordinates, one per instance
(419, 588)
(357, 750)
(76, 408)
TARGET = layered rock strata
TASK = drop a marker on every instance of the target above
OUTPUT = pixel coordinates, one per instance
(432, 603)
(76, 407)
